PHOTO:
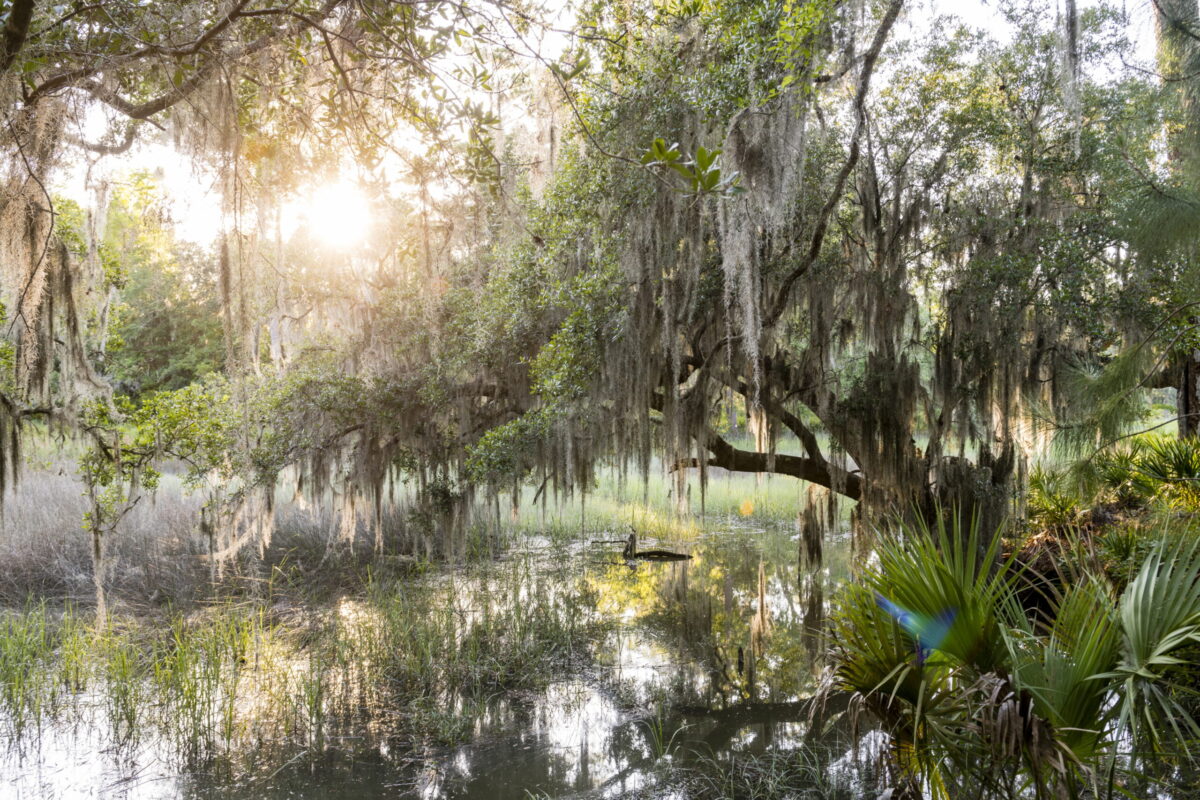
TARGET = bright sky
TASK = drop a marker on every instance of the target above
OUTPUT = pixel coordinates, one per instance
(983, 14)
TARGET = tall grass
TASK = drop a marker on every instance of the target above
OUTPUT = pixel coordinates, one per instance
(652, 507)
(451, 644)
(197, 671)
(773, 775)
(418, 658)
(156, 557)
(45, 661)
(25, 642)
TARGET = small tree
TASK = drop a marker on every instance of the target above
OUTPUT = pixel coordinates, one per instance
(126, 444)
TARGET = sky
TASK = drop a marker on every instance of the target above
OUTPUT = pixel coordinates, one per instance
(983, 14)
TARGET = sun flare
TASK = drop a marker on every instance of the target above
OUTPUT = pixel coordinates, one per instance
(337, 215)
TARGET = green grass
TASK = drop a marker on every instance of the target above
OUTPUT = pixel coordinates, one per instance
(45, 661)
(649, 505)
(25, 643)
(802, 771)
(769, 775)
(417, 657)
(457, 641)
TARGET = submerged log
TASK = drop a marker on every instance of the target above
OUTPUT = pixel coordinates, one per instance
(631, 552)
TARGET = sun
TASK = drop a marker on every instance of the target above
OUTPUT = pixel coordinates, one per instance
(337, 215)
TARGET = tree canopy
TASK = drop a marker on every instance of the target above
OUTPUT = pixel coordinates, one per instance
(902, 249)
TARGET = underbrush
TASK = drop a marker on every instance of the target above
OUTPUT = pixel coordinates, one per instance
(1146, 473)
(978, 693)
(1102, 513)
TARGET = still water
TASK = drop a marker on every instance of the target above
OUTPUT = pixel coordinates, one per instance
(697, 661)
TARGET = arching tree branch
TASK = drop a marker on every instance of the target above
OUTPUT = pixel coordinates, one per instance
(90, 76)
(728, 457)
(106, 149)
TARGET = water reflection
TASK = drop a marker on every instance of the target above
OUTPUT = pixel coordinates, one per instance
(706, 657)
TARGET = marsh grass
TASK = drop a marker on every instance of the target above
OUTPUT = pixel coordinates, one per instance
(661, 736)
(805, 772)
(156, 558)
(418, 659)
(24, 646)
(442, 648)
(651, 507)
(799, 773)
(197, 671)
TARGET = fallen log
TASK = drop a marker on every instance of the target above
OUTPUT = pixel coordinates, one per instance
(631, 552)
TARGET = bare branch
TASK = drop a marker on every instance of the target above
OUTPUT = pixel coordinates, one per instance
(726, 456)
(106, 149)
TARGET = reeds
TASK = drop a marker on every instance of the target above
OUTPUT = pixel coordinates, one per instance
(780, 774)
(418, 658)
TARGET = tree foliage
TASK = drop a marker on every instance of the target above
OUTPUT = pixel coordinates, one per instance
(893, 246)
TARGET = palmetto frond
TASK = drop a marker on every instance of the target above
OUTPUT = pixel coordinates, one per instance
(1059, 670)
(1159, 615)
(999, 696)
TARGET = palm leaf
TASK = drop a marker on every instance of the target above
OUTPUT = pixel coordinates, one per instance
(1059, 671)
(947, 573)
(1159, 614)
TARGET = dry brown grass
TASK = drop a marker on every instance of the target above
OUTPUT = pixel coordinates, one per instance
(157, 556)
(45, 552)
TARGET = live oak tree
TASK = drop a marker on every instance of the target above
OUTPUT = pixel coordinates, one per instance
(255, 92)
(889, 259)
(887, 248)
(745, 217)
(231, 83)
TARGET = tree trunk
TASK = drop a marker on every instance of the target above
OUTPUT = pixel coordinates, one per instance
(1187, 398)
(972, 496)
(98, 570)
(1173, 42)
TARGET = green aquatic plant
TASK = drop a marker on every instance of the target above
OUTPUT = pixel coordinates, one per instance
(47, 659)
(26, 646)
(661, 736)
(197, 673)
(802, 772)
(122, 682)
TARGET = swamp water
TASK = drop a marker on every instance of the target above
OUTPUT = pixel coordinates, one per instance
(560, 670)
